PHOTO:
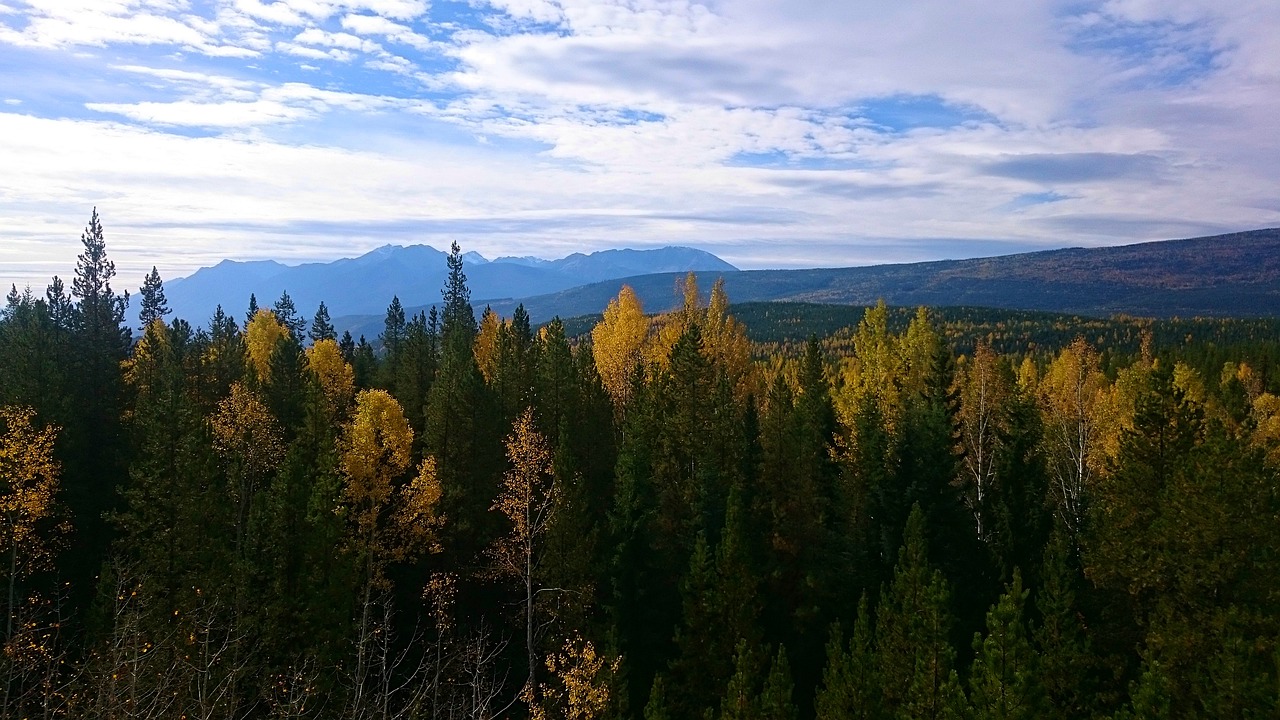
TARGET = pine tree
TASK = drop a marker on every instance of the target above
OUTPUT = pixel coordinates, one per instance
(459, 320)
(1004, 682)
(913, 628)
(321, 327)
(153, 300)
(393, 330)
(776, 701)
(95, 461)
(741, 699)
(657, 708)
(1063, 646)
(287, 313)
(851, 680)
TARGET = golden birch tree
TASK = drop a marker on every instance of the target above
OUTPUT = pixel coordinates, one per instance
(1076, 403)
(984, 394)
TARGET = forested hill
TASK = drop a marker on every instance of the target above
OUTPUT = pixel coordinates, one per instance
(1223, 275)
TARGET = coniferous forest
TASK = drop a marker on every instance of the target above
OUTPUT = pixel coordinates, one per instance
(249, 516)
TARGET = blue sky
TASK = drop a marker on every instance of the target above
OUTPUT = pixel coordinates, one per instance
(817, 133)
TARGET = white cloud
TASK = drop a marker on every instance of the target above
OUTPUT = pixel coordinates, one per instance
(286, 103)
(393, 31)
(644, 112)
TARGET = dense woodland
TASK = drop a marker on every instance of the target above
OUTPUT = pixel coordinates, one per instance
(255, 518)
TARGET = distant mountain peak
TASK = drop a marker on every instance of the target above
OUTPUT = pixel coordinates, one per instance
(415, 274)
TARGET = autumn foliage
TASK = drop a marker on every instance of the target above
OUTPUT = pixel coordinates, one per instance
(932, 512)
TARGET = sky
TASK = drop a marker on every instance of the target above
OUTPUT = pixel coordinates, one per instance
(773, 134)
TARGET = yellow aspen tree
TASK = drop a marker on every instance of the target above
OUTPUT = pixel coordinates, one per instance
(725, 343)
(671, 326)
(984, 394)
(1028, 376)
(248, 439)
(527, 500)
(375, 450)
(616, 343)
(486, 346)
(28, 492)
(336, 377)
(581, 682)
(1076, 403)
(260, 337)
(417, 519)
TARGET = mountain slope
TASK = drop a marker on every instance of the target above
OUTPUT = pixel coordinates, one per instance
(1236, 274)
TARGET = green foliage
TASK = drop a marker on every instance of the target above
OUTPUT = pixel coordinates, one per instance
(1004, 682)
(713, 521)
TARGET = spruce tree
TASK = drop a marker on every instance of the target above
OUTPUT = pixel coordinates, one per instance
(393, 329)
(154, 306)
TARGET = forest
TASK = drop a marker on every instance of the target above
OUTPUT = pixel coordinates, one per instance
(919, 514)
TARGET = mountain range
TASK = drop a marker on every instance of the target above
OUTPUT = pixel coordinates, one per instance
(365, 285)
(1224, 275)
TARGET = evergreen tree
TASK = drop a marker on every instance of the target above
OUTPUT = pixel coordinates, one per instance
(913, 628)
(657, 708)
(393, 330)
(776, 701)
(287, 313)
(1066, 657)
(322, 328)
(741, 699)
(365, 363)
(1004, 681)
(851, 680)
(153, 300)
(95, 465)
(348, 346)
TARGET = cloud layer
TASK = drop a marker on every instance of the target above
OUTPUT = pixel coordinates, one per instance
(775, 135)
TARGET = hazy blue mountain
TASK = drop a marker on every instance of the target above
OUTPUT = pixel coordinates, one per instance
(365, 285)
